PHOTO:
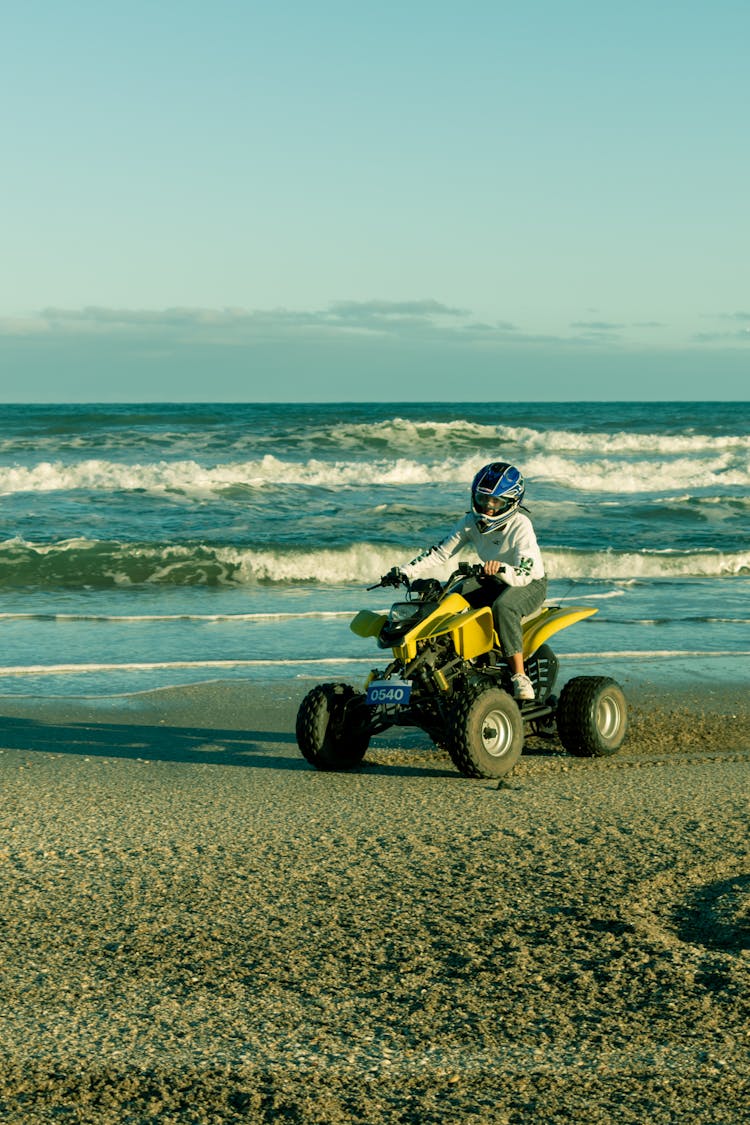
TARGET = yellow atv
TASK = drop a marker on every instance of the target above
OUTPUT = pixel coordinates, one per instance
(449, 678)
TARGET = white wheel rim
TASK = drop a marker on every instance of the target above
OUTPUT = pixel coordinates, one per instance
(608, 716)
(497, 733)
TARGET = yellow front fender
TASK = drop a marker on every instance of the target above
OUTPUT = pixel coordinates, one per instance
(367, 623)
(470, 629)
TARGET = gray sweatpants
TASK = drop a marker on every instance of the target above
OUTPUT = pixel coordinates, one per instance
(513, 603)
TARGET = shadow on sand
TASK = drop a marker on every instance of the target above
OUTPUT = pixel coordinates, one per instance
(159, 743)
(275, 750)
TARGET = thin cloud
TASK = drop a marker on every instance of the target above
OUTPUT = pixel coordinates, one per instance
(389, 310)
(742, 336)
(739, 315)
(482, 328)
(597, 325)
(424, 322)
(236, 325)
(94, 316)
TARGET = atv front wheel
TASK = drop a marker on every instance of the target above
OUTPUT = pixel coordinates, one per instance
(331, 732)
(592, 717)
(485, 734)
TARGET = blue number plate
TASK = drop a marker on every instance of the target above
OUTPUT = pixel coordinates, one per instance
(388, 692)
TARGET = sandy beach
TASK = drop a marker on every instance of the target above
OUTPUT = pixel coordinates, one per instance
(198, 927)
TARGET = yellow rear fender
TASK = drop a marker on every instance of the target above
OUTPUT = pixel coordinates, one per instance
(550, 620)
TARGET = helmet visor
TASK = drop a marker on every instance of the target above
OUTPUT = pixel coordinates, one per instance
(492, 505)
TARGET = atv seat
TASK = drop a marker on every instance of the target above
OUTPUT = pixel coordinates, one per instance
(538, 612)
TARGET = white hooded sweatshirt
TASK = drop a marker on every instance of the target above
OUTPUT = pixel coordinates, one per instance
(513, 544)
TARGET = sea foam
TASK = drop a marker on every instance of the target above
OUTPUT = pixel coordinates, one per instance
(79, 562)
(189, 478)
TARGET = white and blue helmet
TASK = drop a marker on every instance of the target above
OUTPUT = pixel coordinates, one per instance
(496, 492)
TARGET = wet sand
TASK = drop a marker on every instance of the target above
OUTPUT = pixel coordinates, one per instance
(197, 927)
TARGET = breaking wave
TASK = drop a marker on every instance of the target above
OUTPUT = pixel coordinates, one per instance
(188, 477)
(408, 435)
(427, 438)
(81, 563)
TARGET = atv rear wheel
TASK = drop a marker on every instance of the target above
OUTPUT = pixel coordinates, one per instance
(592, 717)
(485, 735)
(331, 733)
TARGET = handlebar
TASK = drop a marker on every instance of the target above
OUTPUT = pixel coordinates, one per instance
(469, 570)
(396, 577)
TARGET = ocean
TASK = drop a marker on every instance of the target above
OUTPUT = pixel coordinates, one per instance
(148, 546)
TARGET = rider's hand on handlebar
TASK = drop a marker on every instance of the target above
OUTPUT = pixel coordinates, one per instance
(492, 567)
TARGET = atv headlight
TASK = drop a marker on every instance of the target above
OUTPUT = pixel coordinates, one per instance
(403, 612)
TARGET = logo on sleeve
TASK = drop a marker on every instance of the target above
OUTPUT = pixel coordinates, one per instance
(424, 555)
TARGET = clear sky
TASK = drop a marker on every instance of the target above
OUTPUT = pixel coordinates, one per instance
(403, 200)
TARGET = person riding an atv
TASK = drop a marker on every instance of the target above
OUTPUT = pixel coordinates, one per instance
(474, 679)
(504, 539)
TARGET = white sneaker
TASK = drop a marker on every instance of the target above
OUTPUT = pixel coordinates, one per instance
(522, 687)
